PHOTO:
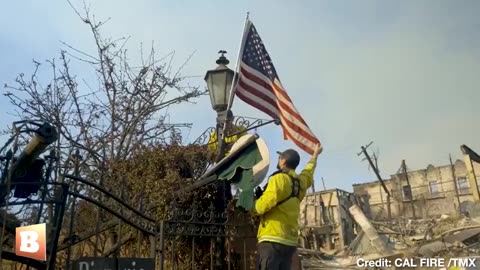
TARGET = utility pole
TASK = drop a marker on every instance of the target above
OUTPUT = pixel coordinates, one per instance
(313, 186)
(404, 167)
(376, 160)
(323, 182)
(379, 187)
(364, 151)
(454, 181)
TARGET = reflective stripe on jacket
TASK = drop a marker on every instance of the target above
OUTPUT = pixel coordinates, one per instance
(280, 223)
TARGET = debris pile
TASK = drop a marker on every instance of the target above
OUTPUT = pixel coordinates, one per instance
(444, 237)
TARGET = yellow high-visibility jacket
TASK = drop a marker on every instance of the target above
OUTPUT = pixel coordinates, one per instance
(280, 223)
(230, 140)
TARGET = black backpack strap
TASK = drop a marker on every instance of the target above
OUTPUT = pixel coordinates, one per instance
(295, 187)
(274, 173)
(295, 190)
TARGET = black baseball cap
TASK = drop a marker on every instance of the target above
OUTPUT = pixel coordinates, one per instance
(291, 156)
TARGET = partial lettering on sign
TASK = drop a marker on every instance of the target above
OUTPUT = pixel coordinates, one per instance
(136, 264)
(93, 263)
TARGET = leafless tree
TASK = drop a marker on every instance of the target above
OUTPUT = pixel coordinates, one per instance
(107, 121)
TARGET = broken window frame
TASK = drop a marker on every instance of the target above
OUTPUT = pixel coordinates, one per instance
(437, 186)
(409, 196)
(463, 189)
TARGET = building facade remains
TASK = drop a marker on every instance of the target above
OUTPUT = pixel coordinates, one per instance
(325, 220)
(430, 192)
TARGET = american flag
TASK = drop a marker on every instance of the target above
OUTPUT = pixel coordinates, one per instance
(259, 86)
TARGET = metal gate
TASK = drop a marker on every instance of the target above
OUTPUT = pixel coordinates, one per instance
(189, 237)
(209, 239)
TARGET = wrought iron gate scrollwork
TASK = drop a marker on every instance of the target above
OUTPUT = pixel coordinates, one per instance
(117, 207)
(200, 223)
(57, 194)
(247, 123)
(202, 226)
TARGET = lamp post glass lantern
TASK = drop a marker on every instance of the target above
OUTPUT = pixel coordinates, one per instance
(219, 81)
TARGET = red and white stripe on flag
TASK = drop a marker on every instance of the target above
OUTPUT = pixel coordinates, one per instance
(259, 86)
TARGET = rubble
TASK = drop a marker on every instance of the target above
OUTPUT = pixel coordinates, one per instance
(442, 237)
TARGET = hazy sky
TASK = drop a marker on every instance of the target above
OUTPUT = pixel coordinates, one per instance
(400, 73)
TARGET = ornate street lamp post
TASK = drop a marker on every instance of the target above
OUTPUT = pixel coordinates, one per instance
(219, 82)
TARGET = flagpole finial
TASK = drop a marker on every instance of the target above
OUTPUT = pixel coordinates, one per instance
(248, 14)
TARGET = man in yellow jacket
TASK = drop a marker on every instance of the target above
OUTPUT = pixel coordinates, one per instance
(278, 206)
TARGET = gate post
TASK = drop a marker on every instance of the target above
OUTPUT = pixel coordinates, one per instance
(58, 218)
(161, 235)
(152, 246)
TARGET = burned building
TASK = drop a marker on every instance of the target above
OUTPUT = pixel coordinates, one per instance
(425, 193)
(325, 220)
